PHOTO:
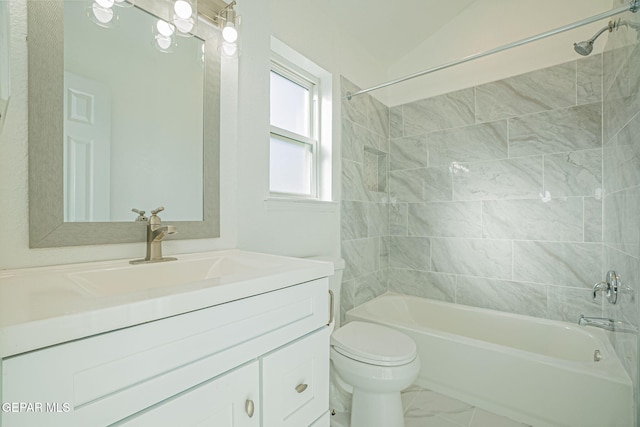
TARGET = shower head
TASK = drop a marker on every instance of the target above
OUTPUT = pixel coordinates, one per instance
(584, 48)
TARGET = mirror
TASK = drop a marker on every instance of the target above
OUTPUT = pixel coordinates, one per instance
(4, 60)
(132, 111)
(78, 189)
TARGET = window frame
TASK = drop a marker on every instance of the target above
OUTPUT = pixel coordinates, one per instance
(297, 75)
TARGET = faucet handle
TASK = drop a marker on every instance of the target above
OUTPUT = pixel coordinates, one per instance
(140, 213)
(599, 287)
(155, 211)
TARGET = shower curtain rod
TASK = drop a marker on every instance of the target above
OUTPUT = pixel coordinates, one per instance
(632, 7)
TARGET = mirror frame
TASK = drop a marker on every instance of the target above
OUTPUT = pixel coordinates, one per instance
(46, 89)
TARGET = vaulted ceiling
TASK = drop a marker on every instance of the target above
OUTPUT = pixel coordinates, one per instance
(372, 41)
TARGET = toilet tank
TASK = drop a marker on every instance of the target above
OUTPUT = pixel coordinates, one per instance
(335, 284)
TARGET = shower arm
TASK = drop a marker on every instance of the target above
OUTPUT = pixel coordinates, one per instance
(610, 27)
(633, 6)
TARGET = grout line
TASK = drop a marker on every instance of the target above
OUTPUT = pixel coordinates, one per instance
(473, 416)
(576, 81)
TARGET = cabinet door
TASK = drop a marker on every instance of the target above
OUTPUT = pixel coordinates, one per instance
(323, 421)
(231, 400)
(295, 382)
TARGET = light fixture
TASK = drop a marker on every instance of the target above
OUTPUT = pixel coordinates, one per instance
(229, 31)
(124, 3)
(228, 21)
(163, 35)
(184, 15)
(101, 13)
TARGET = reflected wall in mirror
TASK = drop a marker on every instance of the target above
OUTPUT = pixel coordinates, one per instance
(133, 119)
(163, 140)
(4, 60)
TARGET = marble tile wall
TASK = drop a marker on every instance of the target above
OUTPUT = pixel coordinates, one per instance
(489, 196)
(495, 194)
(621, 173)
(365, 219)
(516, 195)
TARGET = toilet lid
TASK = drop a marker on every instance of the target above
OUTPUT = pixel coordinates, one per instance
(373, 344)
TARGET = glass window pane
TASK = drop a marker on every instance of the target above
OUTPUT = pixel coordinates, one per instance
(290, 167)
(289, 105)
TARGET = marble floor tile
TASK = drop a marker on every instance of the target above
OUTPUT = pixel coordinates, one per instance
(426, 408)
(483, 418)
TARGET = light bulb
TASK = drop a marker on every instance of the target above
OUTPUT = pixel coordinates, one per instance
(102, 15)
(104, 3)
(183, 9)
(229, 32)
(164, 28)
(229, 49)
(183, 25)
(164, 42)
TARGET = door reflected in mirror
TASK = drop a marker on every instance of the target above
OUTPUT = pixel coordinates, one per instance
(133, 119)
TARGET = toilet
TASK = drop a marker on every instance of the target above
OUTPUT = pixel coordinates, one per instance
(378, 362)
(372, 364)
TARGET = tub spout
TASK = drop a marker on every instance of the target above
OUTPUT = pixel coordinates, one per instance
(605, 323)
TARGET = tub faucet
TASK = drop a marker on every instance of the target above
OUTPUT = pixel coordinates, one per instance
(156, 232)
(605, 323)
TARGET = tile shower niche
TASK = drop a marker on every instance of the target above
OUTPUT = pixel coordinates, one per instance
(375, 170)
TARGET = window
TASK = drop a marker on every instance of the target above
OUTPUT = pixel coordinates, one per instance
(294, 143)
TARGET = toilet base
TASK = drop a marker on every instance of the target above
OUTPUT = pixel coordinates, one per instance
(341, 419)
(376, 409)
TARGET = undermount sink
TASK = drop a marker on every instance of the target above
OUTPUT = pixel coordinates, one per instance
(134, 278)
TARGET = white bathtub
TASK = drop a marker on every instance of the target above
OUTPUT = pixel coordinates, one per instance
(536, 371)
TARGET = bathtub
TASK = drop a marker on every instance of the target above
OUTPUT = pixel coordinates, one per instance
(536, 371)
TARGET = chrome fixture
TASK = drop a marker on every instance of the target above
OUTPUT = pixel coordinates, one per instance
(584, 48)
(606, 324)
(633, 6)
(611, 286)
(156, 232)
(597, 356)
(228, 20)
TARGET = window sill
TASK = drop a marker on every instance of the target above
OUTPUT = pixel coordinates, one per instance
(282, 204)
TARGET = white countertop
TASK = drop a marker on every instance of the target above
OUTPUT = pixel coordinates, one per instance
(45, 306)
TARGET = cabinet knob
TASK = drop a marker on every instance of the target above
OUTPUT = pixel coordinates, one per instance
(249, 407)
(301, 387)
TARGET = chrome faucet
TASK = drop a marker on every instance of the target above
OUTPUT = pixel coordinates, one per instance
(605, 323)
(156, 232)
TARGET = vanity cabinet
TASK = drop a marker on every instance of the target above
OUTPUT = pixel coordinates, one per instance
(229, 401)
(295, 382)
(264, 356)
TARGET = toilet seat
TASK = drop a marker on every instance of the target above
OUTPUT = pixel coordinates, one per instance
(374, 344)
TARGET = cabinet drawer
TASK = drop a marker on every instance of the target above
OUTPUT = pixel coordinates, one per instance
(295, 384)
(108, 377)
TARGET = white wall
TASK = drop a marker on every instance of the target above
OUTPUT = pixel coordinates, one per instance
(297, 229)
(488, 24)
(246, 221)
(14, 214)
(321, 31)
